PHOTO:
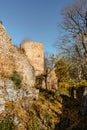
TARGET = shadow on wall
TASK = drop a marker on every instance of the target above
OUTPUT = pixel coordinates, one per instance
(74, 114)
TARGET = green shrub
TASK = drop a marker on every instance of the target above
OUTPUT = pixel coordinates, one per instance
(7, 124)
(38, 81)
(17, 79)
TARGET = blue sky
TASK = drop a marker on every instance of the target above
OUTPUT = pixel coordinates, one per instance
(32, 19)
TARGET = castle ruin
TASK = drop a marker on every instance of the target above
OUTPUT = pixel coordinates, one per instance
(35, 54)
(12, 58)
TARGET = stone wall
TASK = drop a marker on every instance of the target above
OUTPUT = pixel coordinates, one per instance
(52, 81)
(35, 53)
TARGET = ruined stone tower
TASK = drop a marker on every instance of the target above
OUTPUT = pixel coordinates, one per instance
(35, 53)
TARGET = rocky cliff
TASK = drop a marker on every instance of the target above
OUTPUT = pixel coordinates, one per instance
(12, 59)
(14, 99)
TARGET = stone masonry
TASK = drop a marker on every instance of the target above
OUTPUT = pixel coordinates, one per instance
(35, 53)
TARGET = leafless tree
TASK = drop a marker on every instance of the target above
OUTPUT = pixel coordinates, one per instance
(75, 24)
(73, 41)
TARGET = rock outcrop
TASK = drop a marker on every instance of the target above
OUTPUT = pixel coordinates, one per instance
(12, 59)
(15, 100)
(8, 93)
